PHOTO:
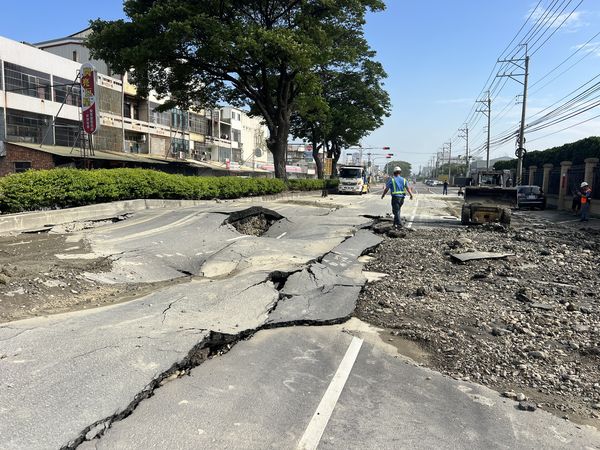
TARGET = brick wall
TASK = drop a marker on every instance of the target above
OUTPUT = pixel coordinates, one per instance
(14, 154)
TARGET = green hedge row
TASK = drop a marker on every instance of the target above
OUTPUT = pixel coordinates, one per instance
(64, 188)
(311, 185)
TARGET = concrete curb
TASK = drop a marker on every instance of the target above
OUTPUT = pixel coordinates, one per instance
(38, 220)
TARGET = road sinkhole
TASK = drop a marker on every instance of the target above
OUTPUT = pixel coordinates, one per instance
(254, 221)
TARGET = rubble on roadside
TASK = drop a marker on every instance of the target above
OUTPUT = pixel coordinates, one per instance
(528, 323)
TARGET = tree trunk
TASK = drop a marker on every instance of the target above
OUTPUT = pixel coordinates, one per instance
(336, 153)
(277, 145)
(318, 161)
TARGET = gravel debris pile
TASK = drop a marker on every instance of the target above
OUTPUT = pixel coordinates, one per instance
(528, 323)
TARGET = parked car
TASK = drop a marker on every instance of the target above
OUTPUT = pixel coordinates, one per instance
(531, 196)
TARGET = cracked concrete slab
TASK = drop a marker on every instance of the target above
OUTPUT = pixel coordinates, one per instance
(328, 290)
(82, 367)
(167, 251)
(264, 392)
(254, 253)
(90, 367)
(326, 305)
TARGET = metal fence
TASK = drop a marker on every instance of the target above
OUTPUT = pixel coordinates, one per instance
(538, 178)
(596, 183)
(525, 178)
(554, 184)
(575, 176)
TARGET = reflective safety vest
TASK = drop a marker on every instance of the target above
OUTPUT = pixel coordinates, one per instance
(585, 196)
(398, 190)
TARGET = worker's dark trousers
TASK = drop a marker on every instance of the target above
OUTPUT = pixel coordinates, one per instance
(397, 202)
(585, 211)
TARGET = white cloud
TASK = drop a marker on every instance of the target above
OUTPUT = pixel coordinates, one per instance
(554, 19)
(590, 47)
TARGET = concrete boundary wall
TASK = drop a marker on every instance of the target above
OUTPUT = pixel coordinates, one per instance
(564, 198)
(38, 220)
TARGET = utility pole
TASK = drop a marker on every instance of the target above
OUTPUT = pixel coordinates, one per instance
(449, 161)
(465, 136)
(521, 149)
(520, 153)
(488, 112)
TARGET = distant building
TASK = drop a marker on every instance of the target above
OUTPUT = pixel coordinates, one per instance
(480, 163)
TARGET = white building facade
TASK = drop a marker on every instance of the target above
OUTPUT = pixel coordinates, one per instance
(40, 97)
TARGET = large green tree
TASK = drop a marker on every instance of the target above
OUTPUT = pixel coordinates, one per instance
(262, 54)
(405, 166)
(358, 104)
(353, 102)
(457, 169)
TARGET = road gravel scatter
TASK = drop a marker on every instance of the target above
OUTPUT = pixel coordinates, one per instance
(527, 325)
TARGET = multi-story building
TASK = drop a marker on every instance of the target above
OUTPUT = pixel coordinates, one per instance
(39, 105)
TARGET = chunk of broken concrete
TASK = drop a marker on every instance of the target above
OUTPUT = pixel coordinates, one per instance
(473, 256)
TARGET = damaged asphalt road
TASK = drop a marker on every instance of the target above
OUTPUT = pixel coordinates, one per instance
(231, 357)
(101, 363)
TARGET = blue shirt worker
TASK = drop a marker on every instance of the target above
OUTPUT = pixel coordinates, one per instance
(398, 187)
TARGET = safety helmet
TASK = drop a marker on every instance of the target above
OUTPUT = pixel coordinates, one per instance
(397, 169)
(584, 184)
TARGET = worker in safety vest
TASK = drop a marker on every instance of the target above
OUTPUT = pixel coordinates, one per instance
(586, 197)
(399, 188)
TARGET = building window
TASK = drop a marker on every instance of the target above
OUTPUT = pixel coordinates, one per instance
(75, 56)
(236, 135)
(2, 127)
(66, 91)
(66, 133)
(180, 145)
(179, 119)
(24, 81)
(22, 166)
(198, 124)
(237, 155)
(160, 118)
(131, 108)
(24, 126)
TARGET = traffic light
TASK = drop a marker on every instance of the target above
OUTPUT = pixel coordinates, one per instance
(389, 155)
(386, 148)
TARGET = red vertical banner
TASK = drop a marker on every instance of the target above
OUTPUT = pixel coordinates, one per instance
(89, 98)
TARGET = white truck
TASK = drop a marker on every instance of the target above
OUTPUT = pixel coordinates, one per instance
(353, 180)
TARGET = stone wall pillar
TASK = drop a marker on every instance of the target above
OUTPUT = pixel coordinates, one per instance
(532, 171)
(590, 165)
(564, 183)
(546, 181)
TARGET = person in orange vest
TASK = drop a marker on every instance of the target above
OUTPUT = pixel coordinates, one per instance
(586, 197)
(399, 188)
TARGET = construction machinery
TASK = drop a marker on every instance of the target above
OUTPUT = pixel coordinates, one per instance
(487, 200)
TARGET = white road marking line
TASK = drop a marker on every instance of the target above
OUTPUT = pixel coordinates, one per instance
(412, 218)
(157, 230)
(236, 238)
(314, 431)
(281, 235)
(78, 255)
(21, 243)
(568, 221)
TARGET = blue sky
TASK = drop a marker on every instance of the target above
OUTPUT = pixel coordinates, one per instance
(438, 55)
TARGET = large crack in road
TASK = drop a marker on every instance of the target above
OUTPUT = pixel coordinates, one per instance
(180, 327)
(217, 344)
